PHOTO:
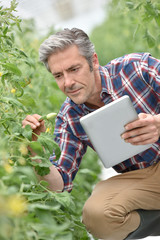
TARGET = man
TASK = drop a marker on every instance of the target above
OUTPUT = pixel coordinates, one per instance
(110, 212)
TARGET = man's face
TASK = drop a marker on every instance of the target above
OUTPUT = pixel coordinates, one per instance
(73, 75)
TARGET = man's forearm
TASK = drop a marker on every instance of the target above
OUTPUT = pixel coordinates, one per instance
(54, 178)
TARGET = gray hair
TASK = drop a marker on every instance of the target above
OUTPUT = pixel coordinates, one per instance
(63, 39)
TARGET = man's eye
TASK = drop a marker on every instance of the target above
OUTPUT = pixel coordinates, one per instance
(74, 69)
(58, 76)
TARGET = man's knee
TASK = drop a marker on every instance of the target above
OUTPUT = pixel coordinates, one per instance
(93, 218)
(96, 211)
(101, 218)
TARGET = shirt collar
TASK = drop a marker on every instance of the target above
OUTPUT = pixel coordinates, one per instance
(105, 79)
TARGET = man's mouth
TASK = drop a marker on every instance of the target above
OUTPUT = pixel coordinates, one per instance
(74, 92)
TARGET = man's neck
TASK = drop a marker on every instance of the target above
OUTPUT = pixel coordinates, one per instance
(95, 101)
(96, 105)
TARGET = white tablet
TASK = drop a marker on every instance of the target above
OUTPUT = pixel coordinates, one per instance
(104, 127)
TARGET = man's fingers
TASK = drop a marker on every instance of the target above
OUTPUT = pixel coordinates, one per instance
(36, 116)
(151, 130)
(139, 139)
(142, 131)
(25, 123)
(32, 120)
(142, 115)
(143, 120)
(136, 124)
(146, 141)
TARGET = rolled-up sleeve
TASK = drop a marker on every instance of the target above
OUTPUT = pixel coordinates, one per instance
(72, 151)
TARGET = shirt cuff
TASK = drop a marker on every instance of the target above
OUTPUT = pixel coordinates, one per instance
(68, 185)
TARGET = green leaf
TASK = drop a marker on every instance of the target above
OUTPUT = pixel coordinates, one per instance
(14, 102)
(67, 236)
(26, 171)
(17, 129)
(150, 40)
(45, 164)
(50, 144)
(35, 196)
(34, 163)
(44, 183)
(19, 27)
(37, 147)
(64, 199)
(42, 171)
(27, 132)
(44, 207)
(19, 92)
(150, 8)
(137, 7)
(5, 30)
(13, 68)
(157, 18)
(3, 79)
(30, 62)
(57, 152)
(49, 228)
(27, 100)
(130, 5)
(21, 52)
(87, 172)
(136, 31)
(9, 42)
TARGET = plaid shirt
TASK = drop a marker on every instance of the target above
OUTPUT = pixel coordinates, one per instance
(136, 75)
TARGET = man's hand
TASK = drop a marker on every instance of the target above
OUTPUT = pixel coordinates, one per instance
(145, 130)
(36, 125)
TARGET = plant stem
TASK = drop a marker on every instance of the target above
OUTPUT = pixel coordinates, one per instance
(6, 128)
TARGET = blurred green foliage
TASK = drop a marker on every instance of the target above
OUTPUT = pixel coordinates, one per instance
(130, 26)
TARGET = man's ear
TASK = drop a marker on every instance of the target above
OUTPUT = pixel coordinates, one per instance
(95, 61)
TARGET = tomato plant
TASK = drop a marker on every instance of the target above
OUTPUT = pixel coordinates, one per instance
(28, 210)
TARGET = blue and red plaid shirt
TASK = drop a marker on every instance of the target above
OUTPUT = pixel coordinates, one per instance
(136, 75)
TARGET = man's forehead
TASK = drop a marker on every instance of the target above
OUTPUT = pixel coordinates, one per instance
(65, 60)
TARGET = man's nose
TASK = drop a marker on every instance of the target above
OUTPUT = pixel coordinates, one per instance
(68, 81)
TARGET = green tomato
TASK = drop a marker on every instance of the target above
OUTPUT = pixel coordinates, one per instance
(49, 116)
